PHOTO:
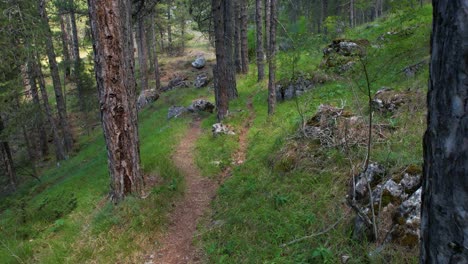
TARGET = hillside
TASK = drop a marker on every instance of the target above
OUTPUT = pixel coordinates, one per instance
(282, 189)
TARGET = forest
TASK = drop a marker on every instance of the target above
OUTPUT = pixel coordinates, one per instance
(246, 131)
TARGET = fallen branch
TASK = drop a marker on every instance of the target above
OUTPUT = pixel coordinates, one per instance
(313, 235)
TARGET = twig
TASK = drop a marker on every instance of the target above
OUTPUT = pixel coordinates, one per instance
(313, 235)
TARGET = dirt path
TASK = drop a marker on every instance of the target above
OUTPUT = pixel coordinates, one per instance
(177, 246)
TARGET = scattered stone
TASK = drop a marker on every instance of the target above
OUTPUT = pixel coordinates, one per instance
(373, 173)
(201, 105)
(176, 82)
(146, 97)
(387, 100)
(220, 128)
(176, 111)
(341, 54)
(345, 259)
(201, 81)
(199, 62)
(293, 88)
(412, 70)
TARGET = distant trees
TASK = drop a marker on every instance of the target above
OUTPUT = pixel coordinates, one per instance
(444, 223)
(259, 47)
(272, 57)
(113, 52)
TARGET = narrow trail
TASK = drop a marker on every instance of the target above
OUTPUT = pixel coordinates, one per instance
(177, 246)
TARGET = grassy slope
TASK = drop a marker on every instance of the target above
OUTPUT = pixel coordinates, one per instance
(262, 205)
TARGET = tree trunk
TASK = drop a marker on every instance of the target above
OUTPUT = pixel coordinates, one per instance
(229, 28)
(324, 16)
(29, 148)
(237, 38)
(77, 60)
(267, 26)
(39, 120)
(7, 158)
(260, 55)
(58, 145)
(142, 55)
(272, 59)
(62, 111)
(114, 68)
(351, 13)
(444, 218)
(65, 51)
(244, 41)
(155, 63)
(169, 26)
(222, 101)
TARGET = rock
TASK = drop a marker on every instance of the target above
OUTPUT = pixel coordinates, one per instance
(176, 82)
(387, 100)
(341, 54)
(373, 173)
(176, 111)
(220, 128)
(201, 81)
(410, 71)
(201, 105)
(293, 88)
(199, 62)
(146, 97)
(408, 221)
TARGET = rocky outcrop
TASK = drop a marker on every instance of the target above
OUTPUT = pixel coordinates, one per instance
(176, 82)
(221, 129)
(291, 89)
(146, 97)
(340, 55)
(199, 62)
(387, 100)
(176, 111)
(201, 81)
(396, 200)
(201, 105)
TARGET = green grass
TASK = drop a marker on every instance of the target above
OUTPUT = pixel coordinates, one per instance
(274, 198)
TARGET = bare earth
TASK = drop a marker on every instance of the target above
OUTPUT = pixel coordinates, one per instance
(177, 246)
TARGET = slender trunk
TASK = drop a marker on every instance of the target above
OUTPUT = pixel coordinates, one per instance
(39, 120)
(260, 55)
(155, 63)
(267, 26)
(58, 145)
(77, 68)
(65, 51)
(324, 16)
(142, 55)
(229, 48)
(444, 217)
(62, 111)
(222, 102)
(351, 13)
(114, 60)
(169, 27)
(7, 158)
(244, 41)
(272, 59)
(237, 38)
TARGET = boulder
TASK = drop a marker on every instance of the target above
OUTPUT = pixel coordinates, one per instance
(387, 100)
(199, 62)
(201, 81)
(291, 89)
(176, 111)
(176, 82)
(373, 173)
(201, 105)
(146, 97)
(221, 129)
(340, 55)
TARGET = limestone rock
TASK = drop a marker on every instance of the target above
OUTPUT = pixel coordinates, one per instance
(201, 105)
(221, 129)
(146, 97)
(201, 81)
(199, 62)
(176, 111)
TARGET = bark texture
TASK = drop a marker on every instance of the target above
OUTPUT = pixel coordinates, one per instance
(272, 58)
(260, 54)
(444, 222)
(244, 41)
(229, 33)
(62, 111)
(142, 54)
(220, 70)
(267, 24)
(114, 63)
